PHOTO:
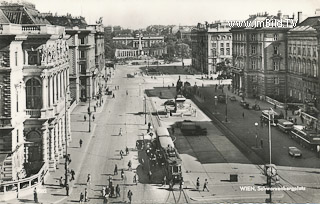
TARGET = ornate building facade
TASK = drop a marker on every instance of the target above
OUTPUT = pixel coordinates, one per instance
(210, 44)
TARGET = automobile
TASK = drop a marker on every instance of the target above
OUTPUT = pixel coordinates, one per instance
(232, 98)
(295, 152)
(244, 104)
(256, 107)
(169, 103)
(135, 63)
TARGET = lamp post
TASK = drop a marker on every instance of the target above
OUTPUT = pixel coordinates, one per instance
(226, 108)
(269, 131)
(215, 103)
(89, 108)
(145, 110)
(256, 125)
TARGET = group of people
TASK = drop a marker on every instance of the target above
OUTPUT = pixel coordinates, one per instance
(205, 184)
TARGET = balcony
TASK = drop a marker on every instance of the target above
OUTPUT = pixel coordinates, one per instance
(33, 113)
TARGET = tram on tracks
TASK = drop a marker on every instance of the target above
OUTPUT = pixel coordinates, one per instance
(171, 157)
(308, 138)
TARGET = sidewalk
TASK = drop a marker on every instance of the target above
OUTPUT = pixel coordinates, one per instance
(51, 191)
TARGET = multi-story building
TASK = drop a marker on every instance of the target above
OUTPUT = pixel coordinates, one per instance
(210, 44)
(86, 44)
(303, 62)
(139, 45)
(34, 82)
(259, 56)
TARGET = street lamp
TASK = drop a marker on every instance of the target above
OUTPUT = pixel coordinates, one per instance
(256, 125)
(89, 109)
(226, 108)
(145, 110)
(215, 103)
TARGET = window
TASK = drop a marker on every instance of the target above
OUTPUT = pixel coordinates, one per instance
(214, 44)
(276, 65)
(227, 44)
(17, 136)
(314, 67)
(309, 52)
(221, 51)
(299, 51)
(294, 50)
(290, 50)
(275, 37)
(214, 52)
(82, 41)
(221, 45)
(33, 94)
(314, 51)
(253, 49)
(16, 58)
(82, 54)
(304, 51)
(228, 51)
(276, 80)
(253, 64)
(275, 50)
(253, 37)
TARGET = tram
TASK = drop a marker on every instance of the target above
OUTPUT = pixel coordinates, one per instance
(171, 157)
(306, 137)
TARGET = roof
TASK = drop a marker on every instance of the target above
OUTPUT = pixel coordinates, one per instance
(162, 131)
(166, 142)
(67, 21)
(308, 24)
(3, 18)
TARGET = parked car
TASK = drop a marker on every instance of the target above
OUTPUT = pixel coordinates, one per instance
(232, 98)
(244, 104)
(295, 152)
(169, 103)
(222, 98)
(256, 107)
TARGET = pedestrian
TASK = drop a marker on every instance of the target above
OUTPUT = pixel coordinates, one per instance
(35, 195)
(115, 172)
(117, 190)
(80, 143)
(88, 179)
(85, 118)
(135, 178)
(103, 191)
(113, 95)
(101, 100)
(67, 189)
(242, 114)
(121, 154)
(127, 150)
(110, 181)
(86, 195)
(105, 198)
(164, 180)
(81, 197)
(112, 193)
(181, 185)
(130, 194)
(61, 181)
(72, 174)
(127, 92)
(198, 183)
(118, 87)
(95, 108)
(115, 87)
(93, 117)
(261, 143)
(69, 159)
(120, 132)
(205, 185)
(122, 174)
(150, 175)
(129, 165)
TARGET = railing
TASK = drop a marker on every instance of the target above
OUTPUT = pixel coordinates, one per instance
(13, 189)
(33, 113)
(30, 28)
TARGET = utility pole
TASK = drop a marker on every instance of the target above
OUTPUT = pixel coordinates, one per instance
(226, 107)
(145, 110)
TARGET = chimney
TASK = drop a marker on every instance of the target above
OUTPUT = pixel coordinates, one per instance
(299, 17)
(279, 14)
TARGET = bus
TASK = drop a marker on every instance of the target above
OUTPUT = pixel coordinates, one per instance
(274, 117)
(308, 138)
(284, 125)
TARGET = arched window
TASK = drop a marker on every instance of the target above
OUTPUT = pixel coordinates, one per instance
(315, 70)
(299, 66)
(33, 94)
(303, 66)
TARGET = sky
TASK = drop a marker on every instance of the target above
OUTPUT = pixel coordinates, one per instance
(137, 14)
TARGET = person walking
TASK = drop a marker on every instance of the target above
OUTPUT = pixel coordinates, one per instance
(81, 197)
(93, 117)
(164, 180)
(242, 114)
(86, 195)
(80, 143)
(103, 191)
(122, 174)
(85, 118)
(135, 179)
(117, 190)
(95, 108)
(67, 189)
(120, 132)
(129, 165)
(61, 181)
(198, 183)
(130, 194)
(127, 92)
(72, 174)
(35, 195)
(127, 150)
(121, 154)
(205, 185)
(115, 172)
(88, 179)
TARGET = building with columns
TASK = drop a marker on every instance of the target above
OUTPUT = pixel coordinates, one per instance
(87, 64)
(210, 44)
(34, 84)
(303, 62)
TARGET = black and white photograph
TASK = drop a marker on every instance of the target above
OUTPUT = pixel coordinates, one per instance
(159, 101)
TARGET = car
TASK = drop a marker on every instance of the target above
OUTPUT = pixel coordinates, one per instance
(256, 107)
(169, 103)
(295, 152)
(222, 98)
(232, 98)
(244, 104)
